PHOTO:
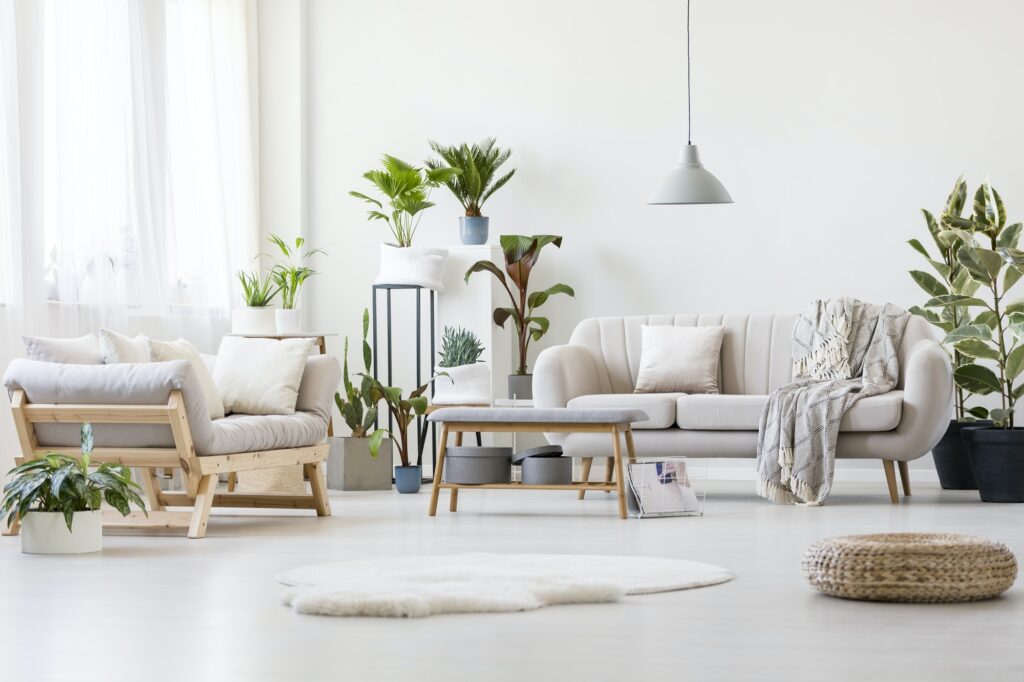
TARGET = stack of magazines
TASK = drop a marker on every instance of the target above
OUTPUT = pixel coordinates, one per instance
(661, 488)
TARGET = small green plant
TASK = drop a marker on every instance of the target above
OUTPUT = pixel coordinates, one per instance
(521, 254)
(406, 188)
(403, 411)
(64, 484)
(477, 165)
(459, 347)
(292, 272)
(357, 407)
(258, 290)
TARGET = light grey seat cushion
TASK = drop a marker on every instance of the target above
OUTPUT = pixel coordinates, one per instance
(151, 384)
(742, 412)
(528, 415)
(659, 407)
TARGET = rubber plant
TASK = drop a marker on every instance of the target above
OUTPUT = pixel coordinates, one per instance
(477, 167)
(521, 254)
(953, 279)
(357, 407)
(403, 411)
(988, 252)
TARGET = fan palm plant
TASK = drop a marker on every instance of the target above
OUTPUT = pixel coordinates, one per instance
(477, 166)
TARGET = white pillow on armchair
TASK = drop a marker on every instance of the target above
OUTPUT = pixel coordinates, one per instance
(260, 376)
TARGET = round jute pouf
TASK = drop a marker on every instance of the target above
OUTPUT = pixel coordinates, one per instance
(910, 567)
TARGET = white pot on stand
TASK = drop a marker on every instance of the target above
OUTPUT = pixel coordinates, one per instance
(289, 320)
(419, 265)
(47, 533)
(250, 320)
(464, 385)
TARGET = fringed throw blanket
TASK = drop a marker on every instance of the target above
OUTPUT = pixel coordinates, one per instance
(843, 350)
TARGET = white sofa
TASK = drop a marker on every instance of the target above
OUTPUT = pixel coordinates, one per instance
(598, 368)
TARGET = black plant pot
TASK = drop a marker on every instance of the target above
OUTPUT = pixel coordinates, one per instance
(997, 457)
(951, 459)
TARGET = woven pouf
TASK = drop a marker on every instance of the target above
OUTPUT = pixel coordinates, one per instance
(910, 567)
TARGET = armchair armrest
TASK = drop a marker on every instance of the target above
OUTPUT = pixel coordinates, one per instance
(927, 397)
(562, 373)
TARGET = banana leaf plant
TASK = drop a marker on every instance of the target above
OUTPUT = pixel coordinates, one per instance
(952, 279)
(989, 253)
(521, 254)
(357, 407)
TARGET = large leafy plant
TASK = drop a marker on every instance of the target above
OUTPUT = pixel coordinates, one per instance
(357, 407)
(403, 411)
(292, 271)
(995, 334)
(477, 167)
(459, 347)
(406, 189)
(64, 484)
(521, 253)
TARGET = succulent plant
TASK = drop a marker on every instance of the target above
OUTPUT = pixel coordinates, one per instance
(459, 347)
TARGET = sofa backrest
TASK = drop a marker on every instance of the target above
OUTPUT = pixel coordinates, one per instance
(755, 349)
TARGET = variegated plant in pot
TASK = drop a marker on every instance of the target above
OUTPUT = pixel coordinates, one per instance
(993, 336)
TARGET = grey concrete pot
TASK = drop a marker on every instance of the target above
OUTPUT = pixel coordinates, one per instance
(473, 229)
(476, 465)
(520, 386)
(350, 466)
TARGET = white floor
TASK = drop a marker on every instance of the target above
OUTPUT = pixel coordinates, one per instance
(168, 608)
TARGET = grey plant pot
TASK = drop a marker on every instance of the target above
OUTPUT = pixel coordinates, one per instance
(547, 471)
(469, 465)
(520, 386)
(350, 466)
(473, 229)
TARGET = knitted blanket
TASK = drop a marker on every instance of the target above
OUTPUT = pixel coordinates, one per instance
(843, 350)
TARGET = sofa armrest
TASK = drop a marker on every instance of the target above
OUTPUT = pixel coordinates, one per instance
(562, 373)
(927, 398)
(320, 380)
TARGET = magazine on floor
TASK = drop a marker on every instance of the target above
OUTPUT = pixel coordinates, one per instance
(661, 488)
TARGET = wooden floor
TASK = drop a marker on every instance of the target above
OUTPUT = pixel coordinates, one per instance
(169, 608)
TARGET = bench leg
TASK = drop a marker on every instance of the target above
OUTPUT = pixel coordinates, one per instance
(438, 471)
(453, 502)
(609, 472)
(587, 463)
(905, 477)
(203, 504)
(890, 479)
(315, 474)
(617, 449)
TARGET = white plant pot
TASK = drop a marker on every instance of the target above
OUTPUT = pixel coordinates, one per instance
(419, 265)
(289, 321)
(253, 321)
(47, 533)
(464, 385)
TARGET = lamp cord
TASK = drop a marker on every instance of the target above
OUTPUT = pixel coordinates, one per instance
(689, 112)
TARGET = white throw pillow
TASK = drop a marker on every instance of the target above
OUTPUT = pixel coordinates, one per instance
(164, 351)
(679, 359)
(83, 350)
(260, 376)
(118, 348)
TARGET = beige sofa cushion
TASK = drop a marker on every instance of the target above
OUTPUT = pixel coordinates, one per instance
(683, 359)
(660, 407)
(742, 412)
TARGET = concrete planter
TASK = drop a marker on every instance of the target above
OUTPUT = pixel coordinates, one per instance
(474, 466)
(47, 533)
(350, 466)
(520, 386)
(473, 229)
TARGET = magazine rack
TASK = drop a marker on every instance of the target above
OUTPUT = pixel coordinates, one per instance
(665, 486)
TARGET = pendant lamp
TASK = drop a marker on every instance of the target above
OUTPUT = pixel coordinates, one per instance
(689, 182)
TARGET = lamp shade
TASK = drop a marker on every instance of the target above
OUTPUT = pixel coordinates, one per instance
(690, 183)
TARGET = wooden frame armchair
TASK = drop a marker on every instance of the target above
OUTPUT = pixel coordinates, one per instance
(199, 472)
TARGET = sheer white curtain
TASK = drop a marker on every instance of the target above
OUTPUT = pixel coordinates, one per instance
(129, 165)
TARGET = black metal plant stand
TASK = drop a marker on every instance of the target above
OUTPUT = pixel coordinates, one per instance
(420, 427)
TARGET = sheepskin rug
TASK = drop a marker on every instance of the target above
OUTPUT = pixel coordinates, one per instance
(413, 587)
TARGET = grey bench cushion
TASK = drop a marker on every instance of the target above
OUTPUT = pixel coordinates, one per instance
(539, 415)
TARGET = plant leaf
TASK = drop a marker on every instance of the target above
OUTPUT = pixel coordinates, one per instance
(928, 282)
(976, 379)
(983, 264)
(1014, 362)
(968, 331)
(955, 300)
(976, 348)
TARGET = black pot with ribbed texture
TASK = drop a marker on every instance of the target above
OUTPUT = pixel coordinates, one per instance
(997, 458)
(951, 460)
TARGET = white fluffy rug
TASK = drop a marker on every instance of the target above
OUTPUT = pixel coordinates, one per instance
(411, 587)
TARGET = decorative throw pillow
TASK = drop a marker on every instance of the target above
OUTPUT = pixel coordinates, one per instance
(260, 376)
(118, 348)
(163, 351)
(83, 350)
(679, 359)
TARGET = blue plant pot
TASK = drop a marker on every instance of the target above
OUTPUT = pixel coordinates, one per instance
(474, 229)
(408, 479)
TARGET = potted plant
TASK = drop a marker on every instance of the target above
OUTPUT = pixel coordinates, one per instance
(467, 381)
(950, 455)
(57, 500)
(521, 254)
(361, 461)
(405, 189)
(290, 274)
(408, 477)
(474, 183)
(258, 291)
(995, 335)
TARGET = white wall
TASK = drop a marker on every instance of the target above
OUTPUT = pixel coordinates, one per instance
(830, 122)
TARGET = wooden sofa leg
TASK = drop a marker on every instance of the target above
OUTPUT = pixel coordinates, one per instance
(890, 479)
(315, 474)
(587, 463)
(203, 504)
(13, 529)
(609, 472)
(905, 477)
(151, 485)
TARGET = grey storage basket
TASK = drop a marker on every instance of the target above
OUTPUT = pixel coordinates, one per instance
(547, 470)
(476, 465)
